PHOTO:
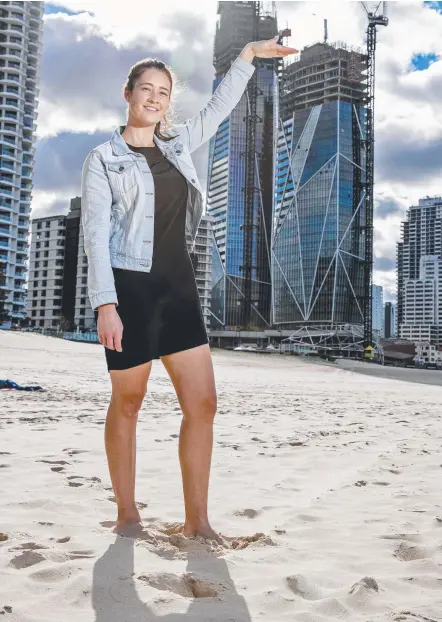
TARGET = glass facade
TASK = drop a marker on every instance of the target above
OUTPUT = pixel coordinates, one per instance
(226, 204)
(319, 216)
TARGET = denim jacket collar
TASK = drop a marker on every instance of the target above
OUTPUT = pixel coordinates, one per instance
(119, 145)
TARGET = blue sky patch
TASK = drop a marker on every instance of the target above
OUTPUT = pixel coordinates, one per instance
(50, 9)
(420, 62)
(437, 6)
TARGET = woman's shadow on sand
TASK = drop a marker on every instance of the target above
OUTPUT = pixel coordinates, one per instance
(115, 597)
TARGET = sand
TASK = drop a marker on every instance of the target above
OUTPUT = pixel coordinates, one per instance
(329, 480)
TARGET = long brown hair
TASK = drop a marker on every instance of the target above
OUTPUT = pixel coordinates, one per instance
(135, 72)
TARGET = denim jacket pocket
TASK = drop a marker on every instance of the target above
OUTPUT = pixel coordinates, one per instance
(122, 175)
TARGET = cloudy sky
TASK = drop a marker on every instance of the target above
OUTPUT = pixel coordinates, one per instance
(89, 46)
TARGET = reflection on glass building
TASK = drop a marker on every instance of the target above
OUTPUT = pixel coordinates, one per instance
(226, 177)
(319, 212)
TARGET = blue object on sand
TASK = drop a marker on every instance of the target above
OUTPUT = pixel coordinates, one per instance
(10, 384)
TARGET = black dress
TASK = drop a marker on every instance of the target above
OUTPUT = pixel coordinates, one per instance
(160, 310)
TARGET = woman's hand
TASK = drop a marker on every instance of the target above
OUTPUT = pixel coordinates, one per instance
(110, 327)
(266, 49)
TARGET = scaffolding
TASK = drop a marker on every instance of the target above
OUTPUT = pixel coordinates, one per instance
(334, 340)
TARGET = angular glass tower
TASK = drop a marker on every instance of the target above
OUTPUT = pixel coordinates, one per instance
(226, 199)
(319, 201)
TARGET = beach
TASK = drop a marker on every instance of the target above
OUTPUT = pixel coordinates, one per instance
(325, 482)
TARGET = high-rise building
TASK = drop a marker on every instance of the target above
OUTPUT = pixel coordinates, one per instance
(84, 316)
(390, 320)
(239, 197)
(57, 292)
(57, 289)
(378, 309)
(21, 29)
(203, 263)
(318, 252)
(419, 262)
(46, 271)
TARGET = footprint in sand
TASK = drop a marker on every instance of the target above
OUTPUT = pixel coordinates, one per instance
(187, 585)
(73, 480)
(365, 585)
(60, 462)
(406, 553)
(26, 559)
(247, 513)
(75, 452)
(302, 587)
(408, 616)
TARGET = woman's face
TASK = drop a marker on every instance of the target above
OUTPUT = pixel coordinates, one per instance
(150, 99)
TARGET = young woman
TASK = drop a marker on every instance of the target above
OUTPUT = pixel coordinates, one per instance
(140, 197)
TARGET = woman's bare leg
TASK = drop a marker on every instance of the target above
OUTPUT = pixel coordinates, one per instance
(192, 375)
(128, 390)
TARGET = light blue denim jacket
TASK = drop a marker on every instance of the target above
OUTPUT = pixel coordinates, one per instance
(118, 194)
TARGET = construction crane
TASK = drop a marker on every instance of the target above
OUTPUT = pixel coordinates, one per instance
(374, 19)
(248, 268)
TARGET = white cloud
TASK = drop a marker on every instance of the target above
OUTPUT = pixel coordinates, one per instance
(123, 23)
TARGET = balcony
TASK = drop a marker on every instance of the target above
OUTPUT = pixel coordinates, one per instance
(13, 103)
(5, 218)
(6, 139)
(7, 179)
(8, 193)
(7, 166)
(4, 244)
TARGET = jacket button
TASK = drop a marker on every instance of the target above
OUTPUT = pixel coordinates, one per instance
(193, 181)
(121, 168)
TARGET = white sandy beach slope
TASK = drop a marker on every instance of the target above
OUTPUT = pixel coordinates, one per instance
(330, 481)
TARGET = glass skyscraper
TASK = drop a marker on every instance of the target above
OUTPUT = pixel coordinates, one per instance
(21, 30)
(319, 207)
(226, 179)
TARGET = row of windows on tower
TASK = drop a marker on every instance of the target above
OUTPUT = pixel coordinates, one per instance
(47, 234)
(59, 253)
(48, 224)
(46, 244)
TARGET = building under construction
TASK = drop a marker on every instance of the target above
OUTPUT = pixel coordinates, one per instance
(240, 179)
(318, 244)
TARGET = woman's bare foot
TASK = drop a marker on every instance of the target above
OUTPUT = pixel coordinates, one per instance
(130, 529)
(203, 530)
(129, 524)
